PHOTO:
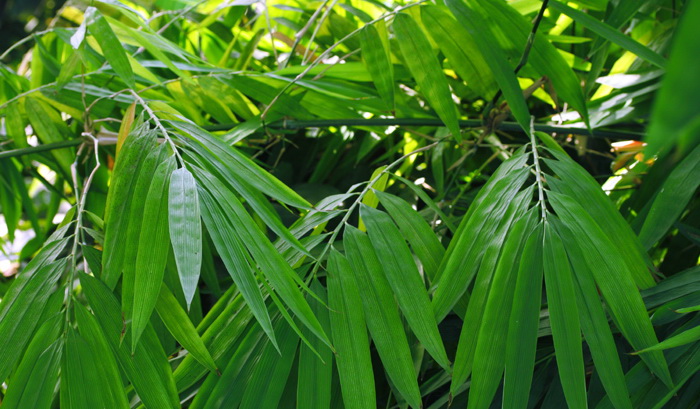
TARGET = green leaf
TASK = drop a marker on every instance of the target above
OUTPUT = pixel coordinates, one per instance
(405, 281)
(579, 184)
(134, 223)
(233, 254)
(474, 315)
(382, 315)
(109, 378)
(489, 354)
(671, 199)
(49, 128)
(610, 34)
(465, 252)
(266, 383)
(376, 57)
(315, 374)
(180, 326)
(185, 229)
(417, 232)
(349, 335)
(111, 47)
(153, 250)
(614, 279)
(685, 337)
(420, 60)
(46, 336)
(474, 21)
(564, 318)
(281, 276)
(41, 376)
(460, 48)
(674, 106)
(523, 323)
(22, 317)
(119, 197)
(594, 324)
(146, 367)
(81, 386)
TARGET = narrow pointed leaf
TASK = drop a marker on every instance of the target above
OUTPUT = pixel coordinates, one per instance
(154, 246)
(405, 281)
(494, 56)
(564, 319)
(614, 279)
(109, 375)
(119, 199)
(595, 326)
(180, 326)
(672, 198)
(378, 62)
(419, 57)
(185, 229)
(112, 48)
(146, 367)
(315, 374)
(610, 34)
(464, 254)
(523, 323)
(489, 356)
(349, 335)
(382, 315)
(232, 253)
(474, 315)
(417, 232)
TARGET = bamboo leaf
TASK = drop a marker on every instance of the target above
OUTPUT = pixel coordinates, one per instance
(349, 335)
(41, 376)
(564, 319)
(460, 48)
(266, 382)
(685, 337)
(420, 60)
(489, 355)
(81, 386)
(680, 93)
(594, 324)
(580, 185)
(281, 276)
(47, 335)
(417, 232)
(476, 24)
(185, 229)
(464, 252)
(112, 48)
(119, 199)
(671, 199)
(614, 279)
(474, 315)
(522, 325)
(153, 250)
(233, 254)
(109, 376)
(610, 34)
(134, 224)
(315, 374)
(22, 317)
(382, 315)
(146, 367)
(405, 281)
(180, 326)
(376, 57)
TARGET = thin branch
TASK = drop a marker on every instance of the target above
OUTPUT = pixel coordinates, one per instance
(503, 126)
(526, 52)
(538, 171)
